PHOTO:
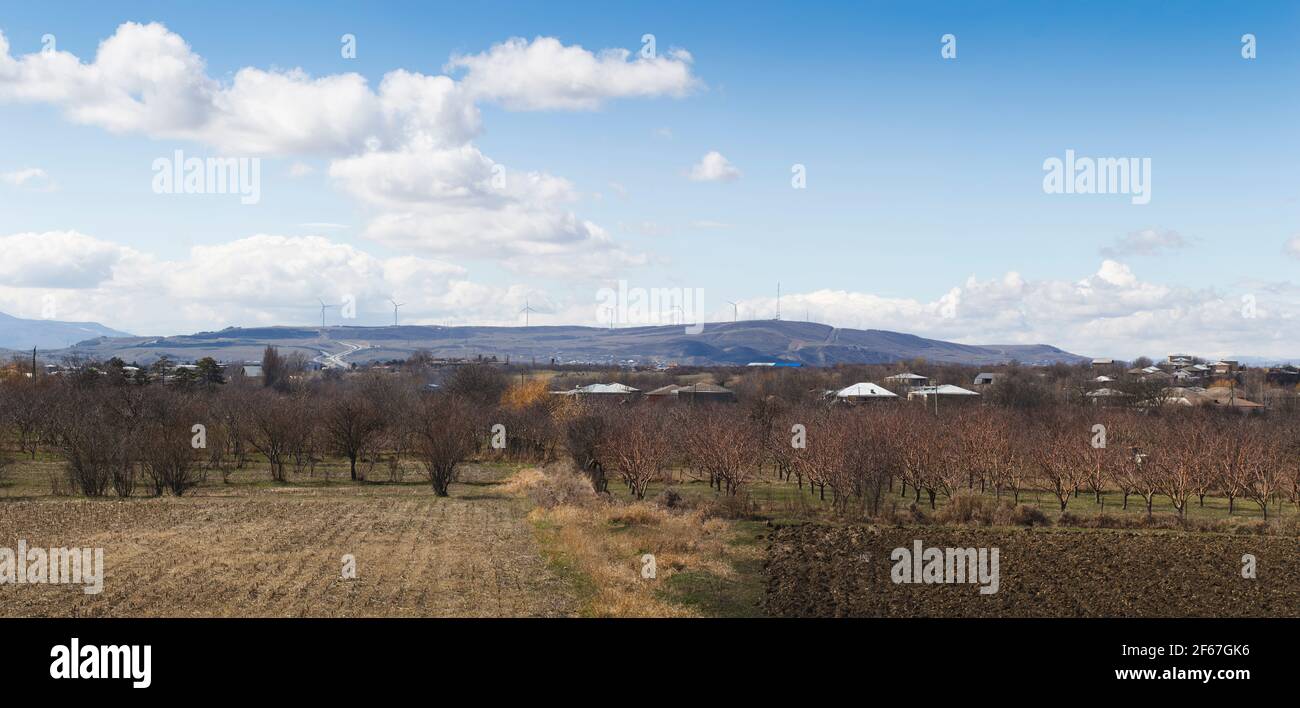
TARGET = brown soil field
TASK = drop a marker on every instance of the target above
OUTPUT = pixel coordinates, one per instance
(816, 570)
(263, 551)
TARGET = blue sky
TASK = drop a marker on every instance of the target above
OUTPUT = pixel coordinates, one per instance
(924, 175)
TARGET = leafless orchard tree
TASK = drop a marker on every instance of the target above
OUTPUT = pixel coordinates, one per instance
(724, 444)
(90, 435)
(1056, 447)
(273, 430)
(639, 448)
(586, 427)
(1181, 458)
(26, 411)
(351, 418)
(446, 432)
(164, 440)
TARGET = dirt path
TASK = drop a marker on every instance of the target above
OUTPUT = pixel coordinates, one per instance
(278, 551)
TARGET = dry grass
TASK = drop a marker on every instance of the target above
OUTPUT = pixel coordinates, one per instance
(256, 550)
(604, 541)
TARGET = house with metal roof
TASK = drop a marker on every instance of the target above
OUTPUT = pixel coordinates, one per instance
(864, 391)
(909, 379)
(943, 392)
(611, 391)
(987, 379)
(705, 393)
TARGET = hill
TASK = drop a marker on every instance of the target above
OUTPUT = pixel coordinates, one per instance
(18, 333)
(724, 343)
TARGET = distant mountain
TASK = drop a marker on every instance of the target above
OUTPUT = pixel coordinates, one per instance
(17, 333)
(724, 343)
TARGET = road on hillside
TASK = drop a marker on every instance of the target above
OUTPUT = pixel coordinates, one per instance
(335, 361)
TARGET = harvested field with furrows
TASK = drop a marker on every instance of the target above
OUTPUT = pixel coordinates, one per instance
(271, 551)
(816, 570)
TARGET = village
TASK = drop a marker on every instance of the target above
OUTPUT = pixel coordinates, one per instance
(1177, 380)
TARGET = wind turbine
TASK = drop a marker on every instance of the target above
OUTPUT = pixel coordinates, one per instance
(526, 309)
(323, 306)
(735, 311)
(778, 301)
(396, 305)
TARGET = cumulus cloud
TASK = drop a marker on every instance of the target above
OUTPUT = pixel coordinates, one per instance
(458, 201)
(713, 167)
(146, 79)
(1147, 242)
(61, 259)
(404, 149)
(261, 279)
(546, 75)
(1110, 312)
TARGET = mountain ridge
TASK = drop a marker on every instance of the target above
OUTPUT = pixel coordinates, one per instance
(20, 333)
(719, 343)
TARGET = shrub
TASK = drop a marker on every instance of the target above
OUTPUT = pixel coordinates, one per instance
(913, 515)
(555, 485)
(734, 506)
(1025, 515)
(636, 514)
(969, 509)
(670, 498)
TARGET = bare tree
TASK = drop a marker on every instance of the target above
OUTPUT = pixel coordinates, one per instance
(446, 433)
(351, 419)
(1265, 464)
(1181, 458)
(586, 429)
(26, 411)
(639, 448)
(273, 427)
(1056, 448)
(165, 440)
(725, 445)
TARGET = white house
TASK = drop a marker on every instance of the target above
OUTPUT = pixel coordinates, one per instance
(943, 391)
(864, 391)
(909, 379)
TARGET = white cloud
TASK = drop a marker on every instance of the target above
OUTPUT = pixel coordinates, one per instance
(403, 150)
(274, 279)
(1111, 312)
(30, 177)
(1292, 246)
(458, 201)
(258, 280)
(713, 167)
(546, 75)
(1147, 242)
(146, 79)
(60, 259)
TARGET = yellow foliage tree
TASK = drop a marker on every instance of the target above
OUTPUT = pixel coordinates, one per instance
(525, 394)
